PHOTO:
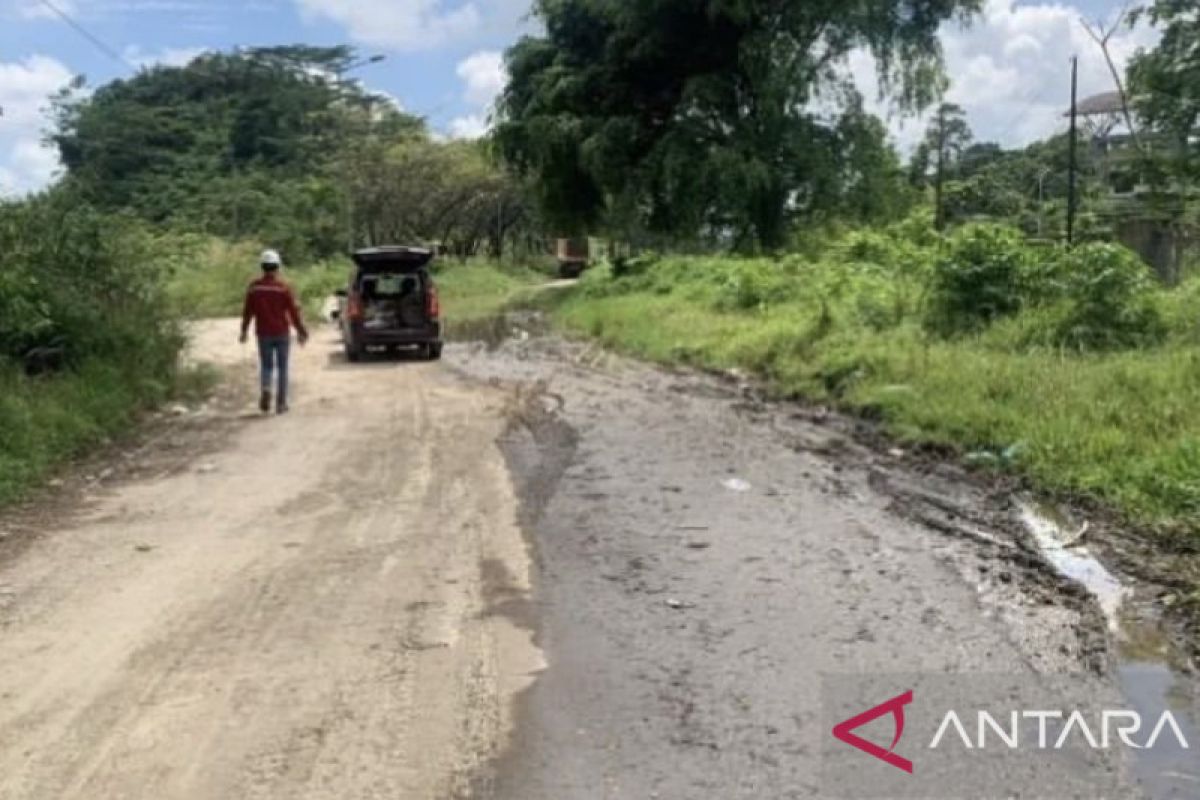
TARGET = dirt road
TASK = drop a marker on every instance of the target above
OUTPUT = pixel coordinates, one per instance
(533, 572)
(315, 610)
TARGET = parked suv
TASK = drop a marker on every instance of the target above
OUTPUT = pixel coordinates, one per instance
(391, 303)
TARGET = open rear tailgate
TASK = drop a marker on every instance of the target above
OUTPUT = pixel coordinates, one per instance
(393, 259)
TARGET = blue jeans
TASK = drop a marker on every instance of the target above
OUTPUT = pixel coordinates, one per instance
(273, 356)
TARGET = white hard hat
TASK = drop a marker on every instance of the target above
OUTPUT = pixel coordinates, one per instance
(270, 258)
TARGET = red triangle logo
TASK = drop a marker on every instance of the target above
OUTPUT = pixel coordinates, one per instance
(843, 731)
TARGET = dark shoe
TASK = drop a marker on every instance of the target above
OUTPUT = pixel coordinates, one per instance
(282, 408)
(264, 402)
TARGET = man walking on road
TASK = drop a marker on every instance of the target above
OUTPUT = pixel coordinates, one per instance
(272, 305)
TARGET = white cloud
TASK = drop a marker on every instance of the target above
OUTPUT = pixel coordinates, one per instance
(166, 57)
(26, 164)
(412, 25)
(400, 24)
(471, 126)
(483, 75)
(1010, 70)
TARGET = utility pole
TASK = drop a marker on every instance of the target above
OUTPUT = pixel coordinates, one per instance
(1073, 169)
(939, 183)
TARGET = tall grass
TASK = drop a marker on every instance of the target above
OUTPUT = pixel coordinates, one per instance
(213, 281)
(477, 289)
(44, 421)
(1118, 425)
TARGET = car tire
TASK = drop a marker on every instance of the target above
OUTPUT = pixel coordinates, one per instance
(354, 353)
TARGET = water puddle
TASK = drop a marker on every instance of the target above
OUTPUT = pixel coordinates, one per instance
(496, 329)
(1059, 542)
(1151, 673)
(1167, 771)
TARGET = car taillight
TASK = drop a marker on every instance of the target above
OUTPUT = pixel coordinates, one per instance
(433, 306)
(354, 308)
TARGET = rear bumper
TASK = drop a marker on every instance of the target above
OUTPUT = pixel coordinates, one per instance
(379, 337)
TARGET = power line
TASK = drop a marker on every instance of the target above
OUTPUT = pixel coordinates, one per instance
(85, 33)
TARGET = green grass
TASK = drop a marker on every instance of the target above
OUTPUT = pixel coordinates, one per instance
(211, 281)
(214, 282)
(478, 290)
(45, 421)
(1121, 427)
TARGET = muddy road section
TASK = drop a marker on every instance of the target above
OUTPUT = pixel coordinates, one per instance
(311, 606)
(704, 558)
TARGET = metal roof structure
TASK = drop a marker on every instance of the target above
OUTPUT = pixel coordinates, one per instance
(1097, 104)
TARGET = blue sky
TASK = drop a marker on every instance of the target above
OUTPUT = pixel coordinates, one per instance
(443, 58)
(422, 57)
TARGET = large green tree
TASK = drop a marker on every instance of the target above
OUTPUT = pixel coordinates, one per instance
(946, 139)
(703, 116)
(246, 143)
(450, 193)
(1165, 82)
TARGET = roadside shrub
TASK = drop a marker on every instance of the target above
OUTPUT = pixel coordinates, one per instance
(1179, 308)
(1097, 297)
(917, 228)
(871, 246)
(25, 320)
(752, 284)
(814, 240)
(80, 284)
(86, 337)
(629, 266)
(860, 294)
(981, 277)
(891, 249)
(1111, 303)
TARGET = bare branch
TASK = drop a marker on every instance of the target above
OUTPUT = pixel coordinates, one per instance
(1102, 36)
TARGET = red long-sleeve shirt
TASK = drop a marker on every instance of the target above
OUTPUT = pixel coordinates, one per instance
(272, 305)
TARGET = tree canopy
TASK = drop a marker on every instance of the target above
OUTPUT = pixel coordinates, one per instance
(717, 117)
(946, 141)
(272, 143)
(273, 109)
(1165, 81)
